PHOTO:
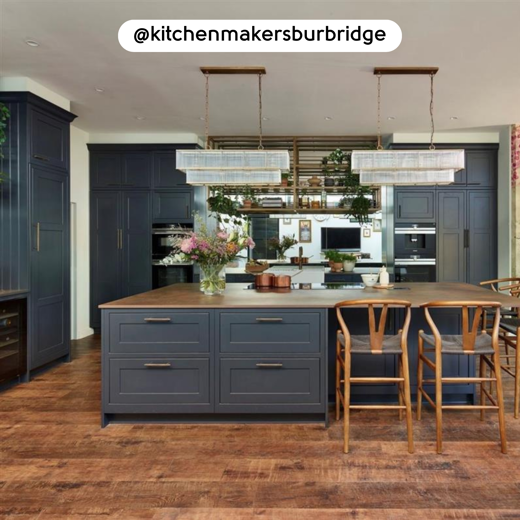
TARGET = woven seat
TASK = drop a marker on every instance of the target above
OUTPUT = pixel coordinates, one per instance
(361, 344)
(453, 344)
(510, 324)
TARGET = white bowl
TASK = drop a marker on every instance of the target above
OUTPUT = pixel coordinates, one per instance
(370, 279)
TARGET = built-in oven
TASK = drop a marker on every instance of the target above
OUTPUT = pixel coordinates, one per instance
(416, 241)
(419, 270)
(164, 270)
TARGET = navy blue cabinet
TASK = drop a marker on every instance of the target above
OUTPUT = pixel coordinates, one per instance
(121, 170)
(414, 206)
(165, 173)
(173, 206)
(120, 247)
(35, 227)
(105, 170)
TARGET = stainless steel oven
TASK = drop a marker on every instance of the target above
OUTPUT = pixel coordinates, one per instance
(415, 241)
(420, 270)
(163, 272)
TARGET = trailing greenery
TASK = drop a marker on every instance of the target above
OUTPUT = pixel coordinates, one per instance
(223, 207)
(4, 116)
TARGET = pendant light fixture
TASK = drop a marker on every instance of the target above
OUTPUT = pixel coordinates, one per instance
(225, 167)
(406, 167)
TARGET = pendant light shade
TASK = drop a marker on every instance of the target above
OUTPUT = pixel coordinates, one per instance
(224, 167)
(215, 167)
(406, 167)
(402, 167)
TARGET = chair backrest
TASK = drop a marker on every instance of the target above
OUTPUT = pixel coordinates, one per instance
(469, 327)
(376, 331)
(507, 285)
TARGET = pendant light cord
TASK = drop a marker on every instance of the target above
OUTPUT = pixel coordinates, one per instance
(379, 145)
(432, 146)
(260, 144)
(206, 117)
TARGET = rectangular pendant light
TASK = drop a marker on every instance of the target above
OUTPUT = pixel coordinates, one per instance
(406, 177)
(228, 177)
(233, 166)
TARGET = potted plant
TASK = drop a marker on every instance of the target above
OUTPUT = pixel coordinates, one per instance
(349, 262)
(248, 197)
(285, 179)
(4, 116)
(355, 198)
(335, 259)
(281, 245)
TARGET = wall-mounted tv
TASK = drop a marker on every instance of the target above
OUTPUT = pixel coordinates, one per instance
(342, 239)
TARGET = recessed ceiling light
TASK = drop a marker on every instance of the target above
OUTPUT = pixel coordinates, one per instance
(202, 118)
(99, 89)
(390, 118)
(328, 118)
(454, 118)
(140, 118)
(265, 119)
(32, 43)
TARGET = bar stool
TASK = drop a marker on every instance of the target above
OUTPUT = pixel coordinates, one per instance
(469, 343)
(508, 334)
(376, 343)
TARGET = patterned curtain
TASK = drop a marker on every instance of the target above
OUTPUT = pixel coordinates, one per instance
(515, 155)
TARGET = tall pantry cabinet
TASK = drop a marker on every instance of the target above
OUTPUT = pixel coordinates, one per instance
(35, 220)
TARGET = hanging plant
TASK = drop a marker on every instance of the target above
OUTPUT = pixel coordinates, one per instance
(4, 116)
(223, 207)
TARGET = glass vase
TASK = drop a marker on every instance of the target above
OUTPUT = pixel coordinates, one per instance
(281, 257)
(213, 279)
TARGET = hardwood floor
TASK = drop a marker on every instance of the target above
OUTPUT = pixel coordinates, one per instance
(56, 462)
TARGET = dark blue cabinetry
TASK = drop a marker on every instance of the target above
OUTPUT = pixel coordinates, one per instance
(35, 223)
(132, 186)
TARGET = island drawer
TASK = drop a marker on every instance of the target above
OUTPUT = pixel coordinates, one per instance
(270, 332)
(159, 381)
(159, 332)
(272, 383)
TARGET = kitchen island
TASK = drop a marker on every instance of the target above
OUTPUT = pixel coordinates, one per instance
(175, 354)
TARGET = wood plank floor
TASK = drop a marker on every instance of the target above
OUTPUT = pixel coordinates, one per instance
(56, 462)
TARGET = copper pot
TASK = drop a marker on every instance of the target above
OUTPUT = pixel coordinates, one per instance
(296, 259)
(282, 281)
(264, 280)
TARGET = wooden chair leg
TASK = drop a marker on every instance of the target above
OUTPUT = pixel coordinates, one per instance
(420, 376)
(438, 396)
(500, 401)
(517, 377)
(400, 386)
(346, 399)
(482, 373)
(338, 379)
(405, 369)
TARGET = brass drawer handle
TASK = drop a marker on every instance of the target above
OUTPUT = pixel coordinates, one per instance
(38, 237)
(41, 157)
(157, 365)
(269, 365)
(157, 320)
(269, 319)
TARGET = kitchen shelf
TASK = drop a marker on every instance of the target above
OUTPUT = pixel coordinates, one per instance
(300, 211)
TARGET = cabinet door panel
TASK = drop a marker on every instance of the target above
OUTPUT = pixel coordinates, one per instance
(482, 247)
(105, 170)
(137, 170)
(481, 168)
(50, 268)
(105, 255)
(450, 241)
(165, 173)
(49, 140)
(415, 205)
(137, 243)
(172, 206)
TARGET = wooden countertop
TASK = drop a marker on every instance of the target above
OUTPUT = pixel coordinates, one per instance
(182, 296)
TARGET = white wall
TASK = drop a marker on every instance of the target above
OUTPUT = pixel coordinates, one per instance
(505, 213)
(28, 85)
(79, 197)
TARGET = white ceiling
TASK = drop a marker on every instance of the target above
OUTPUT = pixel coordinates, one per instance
(475, 44)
